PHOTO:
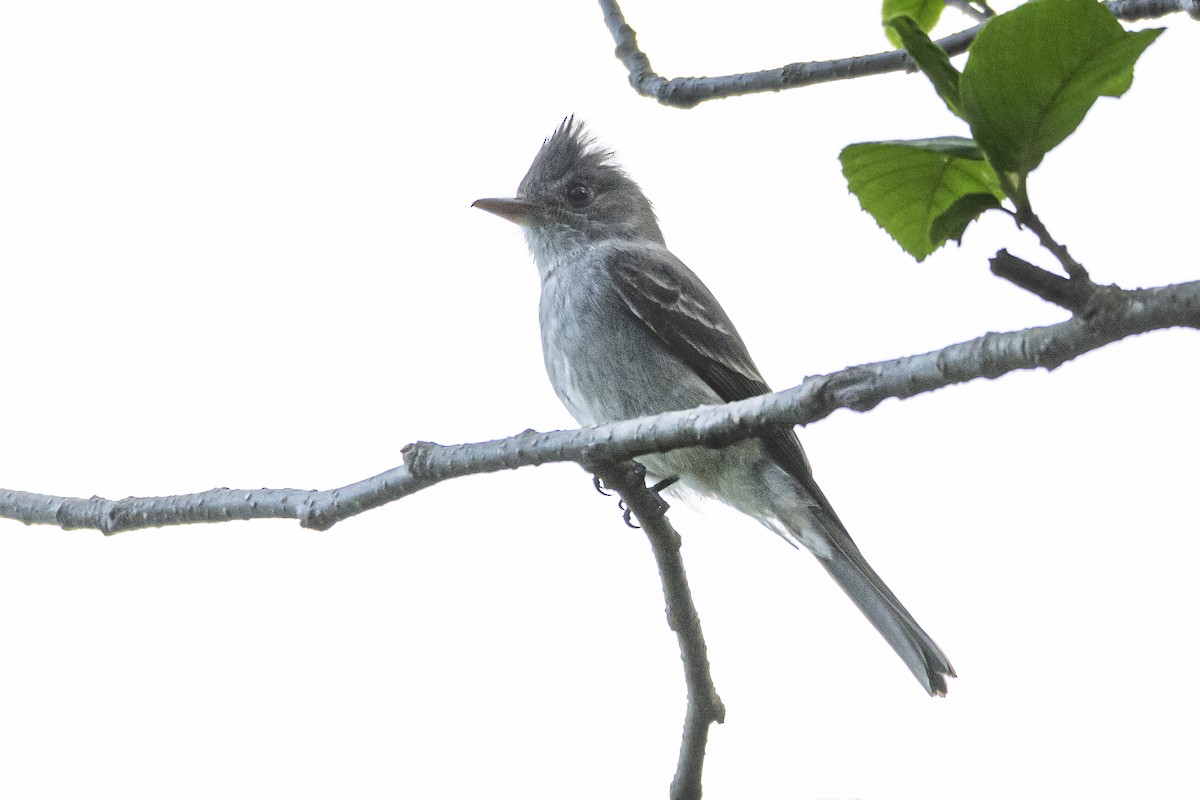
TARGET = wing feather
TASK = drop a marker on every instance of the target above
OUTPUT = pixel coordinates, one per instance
(667, 297)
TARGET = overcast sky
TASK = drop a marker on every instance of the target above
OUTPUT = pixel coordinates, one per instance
(238, 250)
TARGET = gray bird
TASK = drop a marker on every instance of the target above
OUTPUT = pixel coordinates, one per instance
(628, 331)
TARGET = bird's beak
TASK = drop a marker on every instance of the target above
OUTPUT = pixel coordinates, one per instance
(513, 209)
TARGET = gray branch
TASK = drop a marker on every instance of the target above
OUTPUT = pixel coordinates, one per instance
(690, 92)
(1109, 315)
(704, 706)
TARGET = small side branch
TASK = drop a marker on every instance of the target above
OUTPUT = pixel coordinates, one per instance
(1072, 294)
(704, 706)
(690, 92)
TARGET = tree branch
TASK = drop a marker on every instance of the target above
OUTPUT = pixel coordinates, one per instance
(1073, 294)
(690, 92)
(704, 706)
(1111, 315)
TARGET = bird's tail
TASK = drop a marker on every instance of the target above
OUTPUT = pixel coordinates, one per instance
(817, 528)
(868, 591)
(782, 494)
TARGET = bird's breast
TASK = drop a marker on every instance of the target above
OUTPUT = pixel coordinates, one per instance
(604, 364)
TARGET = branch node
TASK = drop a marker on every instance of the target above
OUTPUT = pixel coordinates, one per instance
(1104, 302)
(417, 456)
(850, 388)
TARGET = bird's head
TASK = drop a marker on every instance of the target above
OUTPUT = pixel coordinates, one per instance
(575, 193)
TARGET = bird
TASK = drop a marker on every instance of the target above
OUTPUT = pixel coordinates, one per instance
(628, 330)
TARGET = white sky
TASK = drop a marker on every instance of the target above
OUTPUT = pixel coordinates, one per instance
(238, 251)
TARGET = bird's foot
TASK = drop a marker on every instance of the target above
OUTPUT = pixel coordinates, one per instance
(657, 488)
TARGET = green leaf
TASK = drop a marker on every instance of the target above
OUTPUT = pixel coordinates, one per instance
(932, 59)
(911, 188)
(1034, 73)
(955, 146)
(925, 13)
(953, 222)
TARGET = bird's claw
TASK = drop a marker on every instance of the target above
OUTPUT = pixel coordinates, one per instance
(626, 511)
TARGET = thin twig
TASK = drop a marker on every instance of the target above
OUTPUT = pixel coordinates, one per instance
(975, 10)
(704, 706)
(689, 92)
(1073, 268)
(1131, 10)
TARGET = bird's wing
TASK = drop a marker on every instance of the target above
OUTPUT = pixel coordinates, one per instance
(668, 298)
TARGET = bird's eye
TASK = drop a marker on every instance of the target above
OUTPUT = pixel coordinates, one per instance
(579, 195)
